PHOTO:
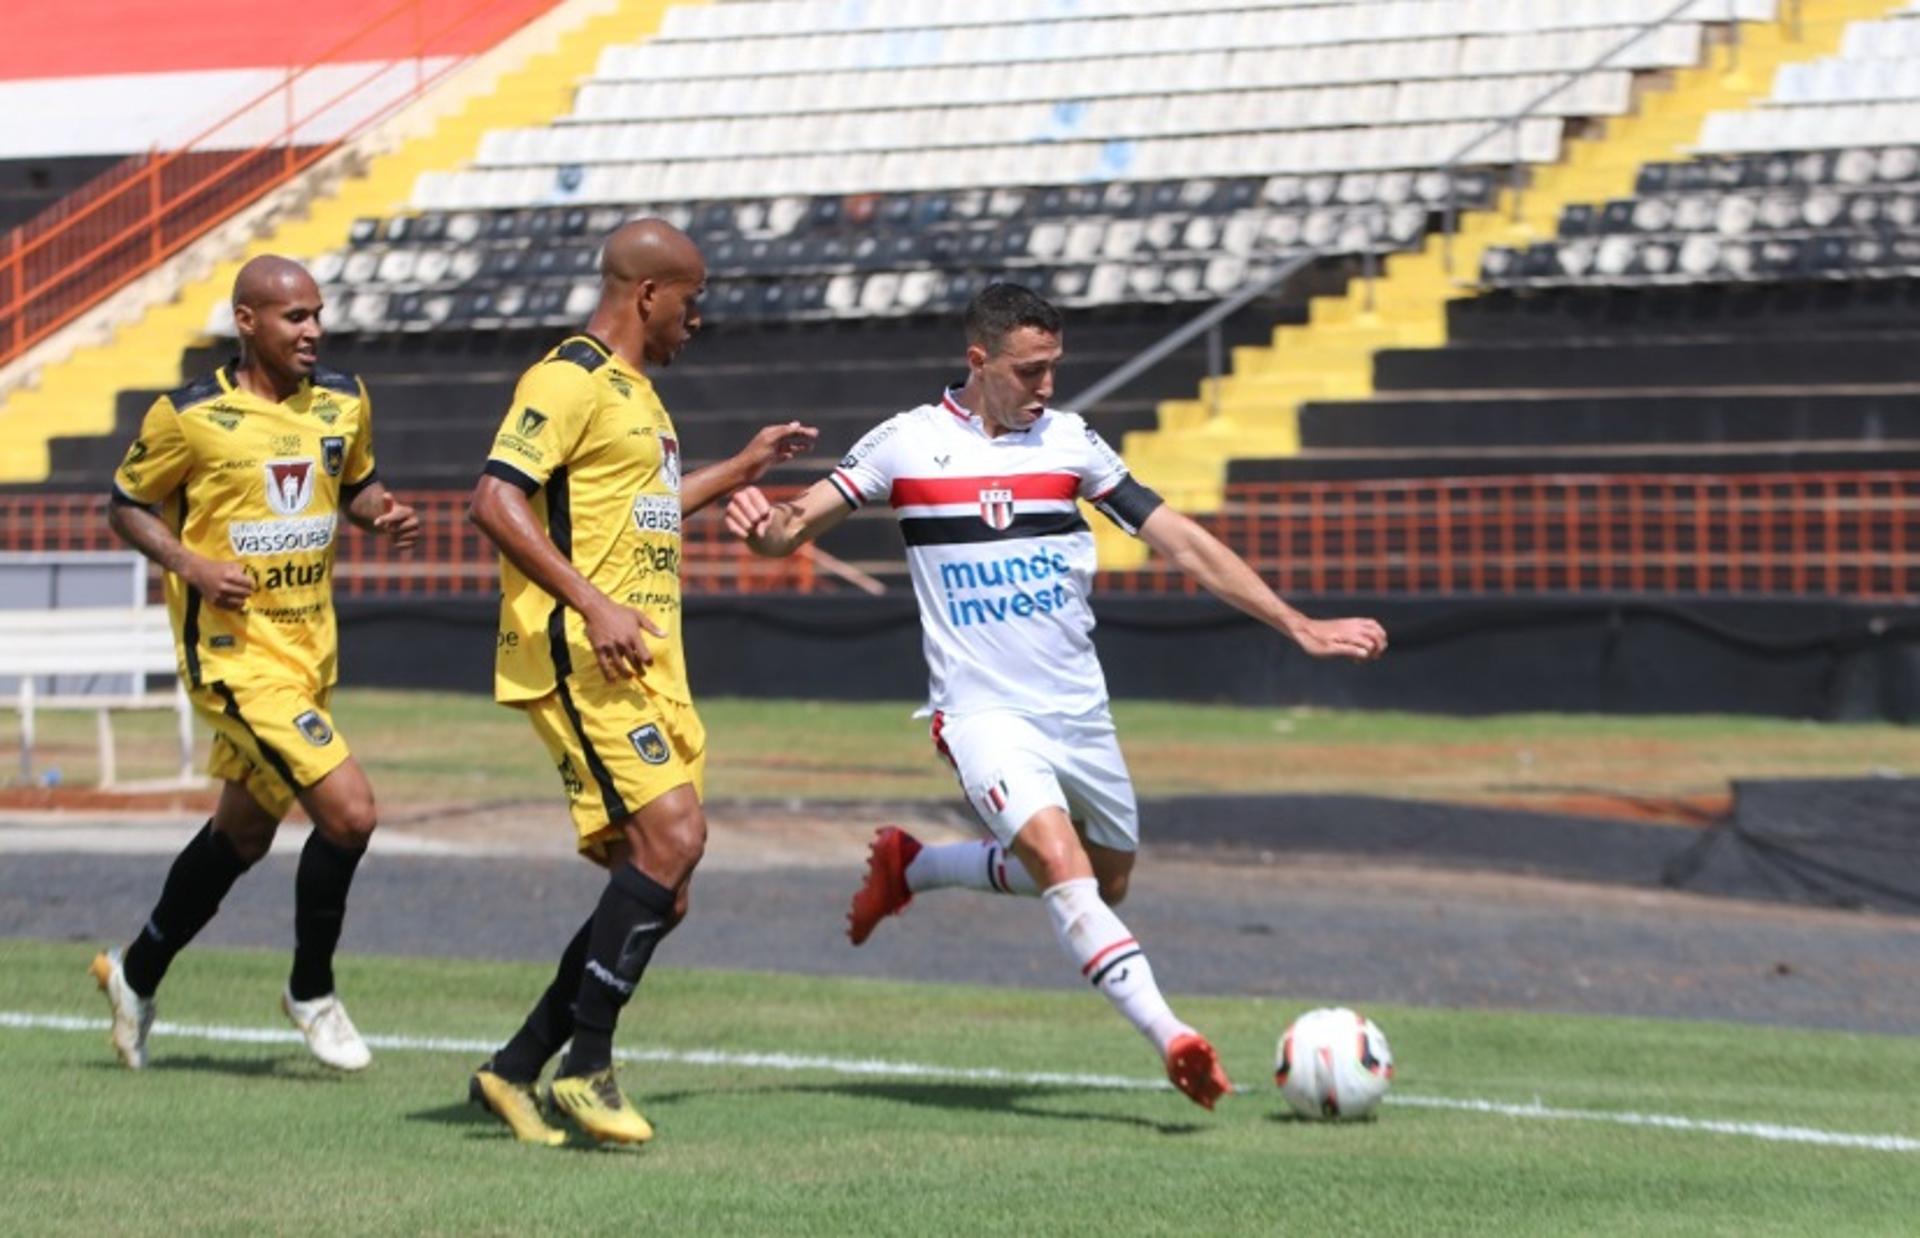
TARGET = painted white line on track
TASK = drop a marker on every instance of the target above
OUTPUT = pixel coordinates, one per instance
(881, 1068)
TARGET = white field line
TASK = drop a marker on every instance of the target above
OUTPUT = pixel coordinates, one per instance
(880, 1068)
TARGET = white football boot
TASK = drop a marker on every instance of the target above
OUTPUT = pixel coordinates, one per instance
(330, 1034)
(132, 1013)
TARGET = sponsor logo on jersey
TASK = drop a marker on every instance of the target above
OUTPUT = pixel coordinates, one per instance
(137, 452)
(996, 590)
(570, 778)
(656, 513)
(290, 484)
(290, 575)
(996, 508)
(314, 728)
(254, 538)
(670, 462)
(226, 416)
(222, 641)
(649, 744)
(324, 408)
(531, 422)
(621, 385)
(868, 445)
(333, 453)
(285, 444)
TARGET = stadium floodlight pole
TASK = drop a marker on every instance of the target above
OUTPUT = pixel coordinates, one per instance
(1299, 259)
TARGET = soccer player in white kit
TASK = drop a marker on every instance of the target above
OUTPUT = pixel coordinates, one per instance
(985, 483)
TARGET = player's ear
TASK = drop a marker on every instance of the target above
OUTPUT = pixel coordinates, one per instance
(643, 294)
(976, 357)
(243, 321)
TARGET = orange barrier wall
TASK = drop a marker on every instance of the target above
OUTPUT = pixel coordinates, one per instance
(71, 38)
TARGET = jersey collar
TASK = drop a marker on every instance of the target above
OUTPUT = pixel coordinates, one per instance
(228, 376)
(950, 400)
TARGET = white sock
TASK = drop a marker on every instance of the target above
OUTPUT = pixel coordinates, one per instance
(969, 866)
(1111, 959)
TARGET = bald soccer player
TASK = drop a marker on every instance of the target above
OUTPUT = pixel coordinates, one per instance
(583, 495)
(234, 487)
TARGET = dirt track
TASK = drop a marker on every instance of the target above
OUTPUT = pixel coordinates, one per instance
(773, 894)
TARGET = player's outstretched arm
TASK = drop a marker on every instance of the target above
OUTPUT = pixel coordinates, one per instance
(772, 445)
(225, 585)
(1228, 577)
(501, 511)
(376, 510)
(777, 529)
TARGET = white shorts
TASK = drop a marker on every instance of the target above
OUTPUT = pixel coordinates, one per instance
(1012, 765)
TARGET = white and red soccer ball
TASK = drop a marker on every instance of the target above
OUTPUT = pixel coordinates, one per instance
(1333, 1063)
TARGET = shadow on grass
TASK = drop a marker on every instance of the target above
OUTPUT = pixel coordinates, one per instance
(1289, 1117)
(1014, 1100)
(293, 1069)
(476, 1123)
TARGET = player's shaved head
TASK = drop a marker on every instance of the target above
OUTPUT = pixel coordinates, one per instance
(651, 279)
(270, 279)
(651, 249)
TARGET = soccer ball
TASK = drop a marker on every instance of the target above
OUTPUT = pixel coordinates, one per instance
(1333, 1063)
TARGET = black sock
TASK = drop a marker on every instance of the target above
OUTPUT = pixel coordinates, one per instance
(202, 873)
(551, 1021)
(635, 912)
(319, 909)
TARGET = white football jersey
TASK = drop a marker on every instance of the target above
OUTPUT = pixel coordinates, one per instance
(1000, 557)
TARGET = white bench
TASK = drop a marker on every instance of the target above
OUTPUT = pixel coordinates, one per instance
(133, 642)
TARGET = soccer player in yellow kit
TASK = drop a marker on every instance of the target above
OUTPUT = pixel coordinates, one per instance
(235, 487)
(583, 494)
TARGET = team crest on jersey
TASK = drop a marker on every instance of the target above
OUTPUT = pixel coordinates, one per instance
(314, 728)
(996, 508)
(333, 454)
(649, 743)
(290, 484)
(670, 462)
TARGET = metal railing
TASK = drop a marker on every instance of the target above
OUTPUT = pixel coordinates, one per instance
(453, 559)
(1275, 281)
(144, 210)
(1828, 535)
(1792, 535)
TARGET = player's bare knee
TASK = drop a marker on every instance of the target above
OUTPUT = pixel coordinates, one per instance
(669, 845)
(1113, 888)
(350, 826)
(249, 842)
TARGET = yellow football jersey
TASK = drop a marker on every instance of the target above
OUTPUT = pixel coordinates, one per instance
(245, 480)
(591, 445)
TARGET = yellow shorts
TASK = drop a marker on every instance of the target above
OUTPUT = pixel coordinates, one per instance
(274, 736)
(617, 750)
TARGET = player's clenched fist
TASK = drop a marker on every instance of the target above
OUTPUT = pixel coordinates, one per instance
(748, 512)
(226, 585)
(398, 521)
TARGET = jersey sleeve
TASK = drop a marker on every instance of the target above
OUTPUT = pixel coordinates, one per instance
(866, 473)
(544, 425)
(359, 471)
(1106, 482)
(157, 462)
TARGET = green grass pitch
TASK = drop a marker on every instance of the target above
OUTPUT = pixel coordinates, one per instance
(228, 1136)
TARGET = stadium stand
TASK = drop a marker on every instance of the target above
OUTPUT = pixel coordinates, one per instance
(855, 171)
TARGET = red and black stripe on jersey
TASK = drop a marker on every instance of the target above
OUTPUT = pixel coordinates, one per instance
(938, 511)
